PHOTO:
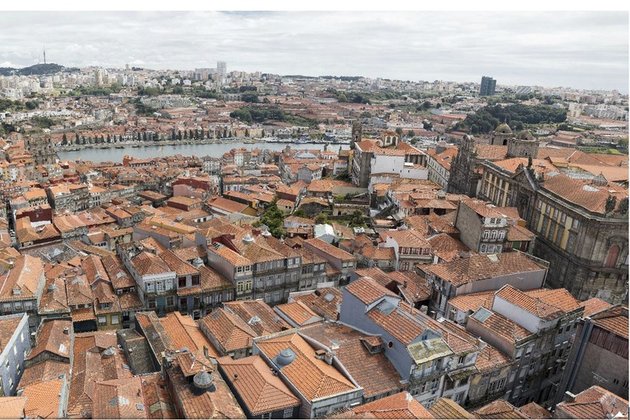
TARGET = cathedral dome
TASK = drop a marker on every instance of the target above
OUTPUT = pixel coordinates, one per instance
(503, 129)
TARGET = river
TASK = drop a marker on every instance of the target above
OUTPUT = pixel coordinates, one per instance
(201, 150)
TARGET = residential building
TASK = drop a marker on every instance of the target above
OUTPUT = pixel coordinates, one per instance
(260, 393)
(342, 262)
(21, 288)
(535, 331)
(435, 358)
(15, 343)
(197, 388)
(362, 355)
(599, 355)
(592, 403)
(326, 389)
(478, 273)
(400, 406)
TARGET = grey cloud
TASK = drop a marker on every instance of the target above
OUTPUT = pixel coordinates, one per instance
(579, 49)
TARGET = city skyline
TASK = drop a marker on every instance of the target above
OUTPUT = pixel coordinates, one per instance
(546, 49)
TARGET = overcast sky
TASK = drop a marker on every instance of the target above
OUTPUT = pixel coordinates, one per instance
(578, 49)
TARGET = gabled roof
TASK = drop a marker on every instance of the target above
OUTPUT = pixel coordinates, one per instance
(397, 406)
(231, 332)
(53, 337)
(367, 290)
(499, 409)
(260, 390)
(147, 264)
(360, 354)
(594, 403)
(312, 377)
(446, 408)
(479, 267)
(533, 305)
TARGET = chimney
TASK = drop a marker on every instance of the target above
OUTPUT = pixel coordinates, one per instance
(205, 352)
(570, 397)
(329, 356)
(66, 331)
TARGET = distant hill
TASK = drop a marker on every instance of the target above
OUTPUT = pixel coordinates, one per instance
(36, 69)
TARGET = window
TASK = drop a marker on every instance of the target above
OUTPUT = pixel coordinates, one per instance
(612, 256)
(576, 223)
(170, 301)
(151, 303)
(563, 217)
(181, 282)
(287, 413)
(102, 320)
(115, 320)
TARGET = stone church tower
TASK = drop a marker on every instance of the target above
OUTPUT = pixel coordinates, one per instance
(523, 145)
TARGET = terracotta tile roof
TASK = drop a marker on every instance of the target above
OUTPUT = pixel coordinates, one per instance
(500, 325)
(397, 406)
(54, 298)
(179, 266)
(183, 332)
(479, 267)
(594, 305)
(483, 208)
(78, 291)
(230, 331)
(229, 255)
(12, 407)
(519, 233)
(490, 358)
(455, 336)
(594, 403)
(613, 319)
(147, 264)
(157, 398)
(446, 247)
(473, 301)
(24, 280)
(312, 377)
(298, 312)
(260, 317)
(119, 399)
(324, 302)
(260, 390)
(372, 371)
(53, 336)
(402, 326)
(445, 408)
(532, 304)
(8, 326)
(193, 404)
(490, 152)
(44, 371)
(117, 273)
(92, 364)
(329, 249)
(413, 287)
(499, 409)
(560, 298)
(535, 411)
(583, 193)
(226, 205)
(43, 399)
(367, 290)
(409, 238)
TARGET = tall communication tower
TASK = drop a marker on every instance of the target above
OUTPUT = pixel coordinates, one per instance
(44, 55)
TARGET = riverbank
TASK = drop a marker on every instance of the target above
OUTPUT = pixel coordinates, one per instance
(162, 149)
(162, 143)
